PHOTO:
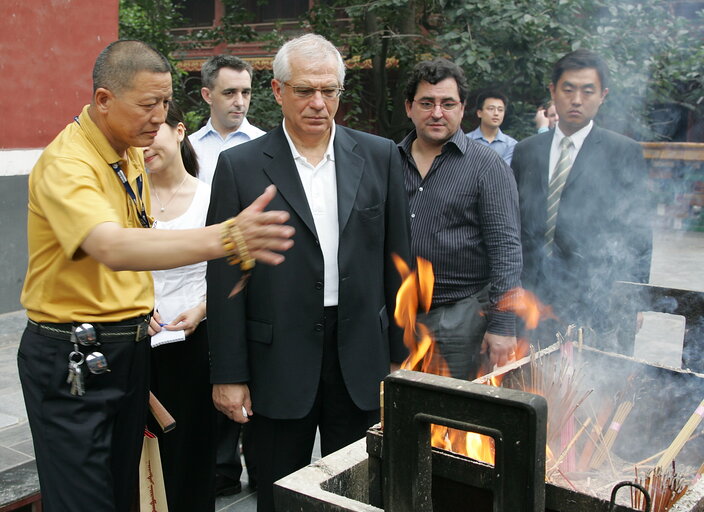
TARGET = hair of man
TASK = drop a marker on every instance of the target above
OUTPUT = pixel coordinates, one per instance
(211, 68)
(490, 93)
(311, 48)
(174, 116)
(581, 59)
(434, 71)
(121, 60)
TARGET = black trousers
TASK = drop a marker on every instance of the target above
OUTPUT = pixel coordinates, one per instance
(284, 446)
(228, 460)
(87, 448)
(180, 379)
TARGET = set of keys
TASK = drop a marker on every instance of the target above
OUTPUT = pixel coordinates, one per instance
(96, 362)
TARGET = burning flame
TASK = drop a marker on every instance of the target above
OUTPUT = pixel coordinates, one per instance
(526, 306)
(416, 293)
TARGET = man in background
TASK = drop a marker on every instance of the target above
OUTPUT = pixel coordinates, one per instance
(491, 109)
(585, 205)
(227, 88)
(464, 220)
(546, 117)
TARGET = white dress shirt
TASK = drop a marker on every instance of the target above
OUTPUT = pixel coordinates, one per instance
(208, 144)
(577, 141)
(320, 185)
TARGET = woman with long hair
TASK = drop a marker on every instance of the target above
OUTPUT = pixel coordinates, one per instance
(180, 367)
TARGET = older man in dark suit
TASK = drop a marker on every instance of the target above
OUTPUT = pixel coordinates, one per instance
(584, 201)
(307, 345)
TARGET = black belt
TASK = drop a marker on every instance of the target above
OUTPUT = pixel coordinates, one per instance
(108, 332)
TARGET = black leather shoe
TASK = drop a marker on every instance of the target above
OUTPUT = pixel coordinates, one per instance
(226, 486)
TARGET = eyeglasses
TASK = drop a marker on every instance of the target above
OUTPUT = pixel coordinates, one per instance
(303, 91)
(429, 105)
(492, 108)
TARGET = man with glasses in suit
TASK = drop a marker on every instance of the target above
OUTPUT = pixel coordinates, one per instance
(306, 346)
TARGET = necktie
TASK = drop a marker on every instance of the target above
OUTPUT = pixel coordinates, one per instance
(557, 183)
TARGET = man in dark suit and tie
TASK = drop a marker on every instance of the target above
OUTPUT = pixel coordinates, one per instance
(306, 346)
(585, 206)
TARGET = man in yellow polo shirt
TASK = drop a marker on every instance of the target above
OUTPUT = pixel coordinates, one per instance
(89, 263)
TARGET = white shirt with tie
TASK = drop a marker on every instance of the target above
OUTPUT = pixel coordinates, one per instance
(577, 137)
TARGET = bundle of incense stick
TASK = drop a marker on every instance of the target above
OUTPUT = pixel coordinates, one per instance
(596, 434)
(566, 450)
(560, 383)
(664, 487)
(659, 454)
(682, 437)
(567, 437)
(611, 433)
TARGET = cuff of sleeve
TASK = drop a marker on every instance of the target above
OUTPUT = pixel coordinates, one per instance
(502, 323)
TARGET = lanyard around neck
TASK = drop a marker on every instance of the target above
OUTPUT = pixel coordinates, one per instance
(139, 205)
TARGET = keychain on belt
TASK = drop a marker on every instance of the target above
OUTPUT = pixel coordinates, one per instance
(86, 336)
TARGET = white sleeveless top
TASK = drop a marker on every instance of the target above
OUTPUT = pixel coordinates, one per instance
(179, 289)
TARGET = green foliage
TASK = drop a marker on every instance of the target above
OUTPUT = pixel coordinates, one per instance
(151, 21)
(514, 44)
(264, 112)
(387, 35)
(656, 59)
(233, 27)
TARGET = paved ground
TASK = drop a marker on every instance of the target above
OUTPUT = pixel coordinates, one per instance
(677, 263)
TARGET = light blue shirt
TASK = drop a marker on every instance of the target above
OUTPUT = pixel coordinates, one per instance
(502, 144)
(208, 144)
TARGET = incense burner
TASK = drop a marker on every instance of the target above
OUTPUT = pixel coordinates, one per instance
(377, 475)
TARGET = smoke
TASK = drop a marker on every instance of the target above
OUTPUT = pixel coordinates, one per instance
(663, 400)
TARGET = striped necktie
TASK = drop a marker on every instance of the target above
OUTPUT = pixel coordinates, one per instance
(557, 183)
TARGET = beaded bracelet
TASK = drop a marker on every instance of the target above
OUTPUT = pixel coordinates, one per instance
(246, 261)
(227, 243)
(237, 252)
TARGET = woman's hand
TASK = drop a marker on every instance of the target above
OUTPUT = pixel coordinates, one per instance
(154, 324)
(187, 320)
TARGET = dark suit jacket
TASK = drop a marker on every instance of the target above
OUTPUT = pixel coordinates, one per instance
(603, 231)
(271, 335)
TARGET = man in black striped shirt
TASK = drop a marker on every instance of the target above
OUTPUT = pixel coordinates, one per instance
(464, 220)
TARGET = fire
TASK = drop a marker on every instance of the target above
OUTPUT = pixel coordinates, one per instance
(526, 306)
(416, 293)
